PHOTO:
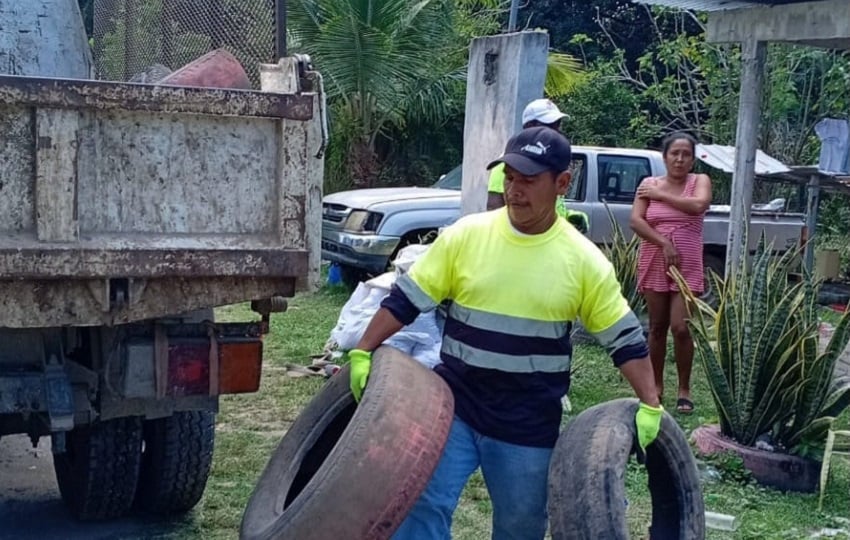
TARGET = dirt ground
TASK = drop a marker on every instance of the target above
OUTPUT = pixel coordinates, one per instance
(30, 507)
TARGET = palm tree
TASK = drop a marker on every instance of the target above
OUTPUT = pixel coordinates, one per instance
(383, 62)
(390, 62)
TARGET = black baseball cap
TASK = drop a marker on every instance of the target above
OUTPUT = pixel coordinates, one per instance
(535, 150)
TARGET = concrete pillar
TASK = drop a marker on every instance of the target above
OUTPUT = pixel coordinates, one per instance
(753, 55)
(505, 73)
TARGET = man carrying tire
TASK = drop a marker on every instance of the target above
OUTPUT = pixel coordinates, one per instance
(517, 277)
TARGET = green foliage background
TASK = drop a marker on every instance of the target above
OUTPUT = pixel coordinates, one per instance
(395, 75)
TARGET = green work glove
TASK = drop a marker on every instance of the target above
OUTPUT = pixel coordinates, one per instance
(361, 363)
(648, 422)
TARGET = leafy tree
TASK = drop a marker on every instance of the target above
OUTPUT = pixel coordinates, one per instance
(393, 65)
(384, 62)
(604, 111)
(630, 25)
(686, 83)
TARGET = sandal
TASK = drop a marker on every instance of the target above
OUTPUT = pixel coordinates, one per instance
(684, 405)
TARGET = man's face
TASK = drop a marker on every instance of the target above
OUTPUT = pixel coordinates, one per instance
(531, 199)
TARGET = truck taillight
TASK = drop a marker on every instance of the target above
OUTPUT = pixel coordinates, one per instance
(188, 369)
(189, 362)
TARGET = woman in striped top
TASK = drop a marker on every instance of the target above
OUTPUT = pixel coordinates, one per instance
(668, 215)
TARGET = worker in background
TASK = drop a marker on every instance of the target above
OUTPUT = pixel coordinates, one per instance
(506, 347)
(540, 112)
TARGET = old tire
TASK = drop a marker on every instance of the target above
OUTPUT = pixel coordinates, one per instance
(98, 472)
(587, 478)
(354, 471)
(176, 460)
(785, 472)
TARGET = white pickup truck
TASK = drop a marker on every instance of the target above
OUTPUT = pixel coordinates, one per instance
(363, 229)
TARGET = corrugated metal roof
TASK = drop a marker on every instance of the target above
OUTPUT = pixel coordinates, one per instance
(717, 5)
(771, 169)
(723, 158)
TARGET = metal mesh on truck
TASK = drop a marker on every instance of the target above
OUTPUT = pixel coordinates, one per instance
(144, 40)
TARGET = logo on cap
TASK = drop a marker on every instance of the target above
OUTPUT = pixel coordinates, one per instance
(538, 149)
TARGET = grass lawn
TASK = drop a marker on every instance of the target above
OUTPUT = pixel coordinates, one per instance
(250, 426)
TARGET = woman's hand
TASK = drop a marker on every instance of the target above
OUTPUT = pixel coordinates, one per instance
(671, 255)
(649, 189)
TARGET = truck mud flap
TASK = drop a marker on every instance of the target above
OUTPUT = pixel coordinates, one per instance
(587, 497)
(354, 471)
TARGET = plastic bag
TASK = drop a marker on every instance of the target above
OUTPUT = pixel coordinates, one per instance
(422, 339)
(356, 314)
(407, 256)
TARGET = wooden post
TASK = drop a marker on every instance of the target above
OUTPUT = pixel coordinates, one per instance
(513, 15)
(753, 54)
(811, 221)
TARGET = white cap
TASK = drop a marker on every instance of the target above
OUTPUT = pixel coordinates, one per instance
(542, 110)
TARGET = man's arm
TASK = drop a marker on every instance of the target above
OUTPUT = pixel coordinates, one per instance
(421, 289)
(382, 326)
(625, 342)
(606, 314)
(640, 375)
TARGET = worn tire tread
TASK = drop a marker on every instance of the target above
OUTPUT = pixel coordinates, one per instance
(101, 483)
(587, 478)
(376, 456)
(176, 462)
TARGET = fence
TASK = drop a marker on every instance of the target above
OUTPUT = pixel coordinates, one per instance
(144, 40)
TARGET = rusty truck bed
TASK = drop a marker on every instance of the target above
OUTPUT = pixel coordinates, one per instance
(122, 202)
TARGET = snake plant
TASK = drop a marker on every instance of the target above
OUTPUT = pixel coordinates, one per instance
(759, 349)
(623, 254)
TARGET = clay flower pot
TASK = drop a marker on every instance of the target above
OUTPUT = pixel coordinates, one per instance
(775, 469)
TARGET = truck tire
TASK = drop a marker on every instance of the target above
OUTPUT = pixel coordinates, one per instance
(354, 471)
(176, 460)
(587, 478)
(98, 472)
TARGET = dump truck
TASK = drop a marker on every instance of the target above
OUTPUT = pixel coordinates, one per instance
(127, 213)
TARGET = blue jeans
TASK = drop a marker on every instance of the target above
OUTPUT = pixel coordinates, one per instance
(516, 478)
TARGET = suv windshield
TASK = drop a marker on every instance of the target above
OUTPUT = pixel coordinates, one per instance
(450, 180)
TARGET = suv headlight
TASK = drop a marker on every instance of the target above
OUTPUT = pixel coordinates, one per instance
(363, 221)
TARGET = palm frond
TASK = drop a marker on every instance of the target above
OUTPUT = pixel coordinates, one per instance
(563, 73)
